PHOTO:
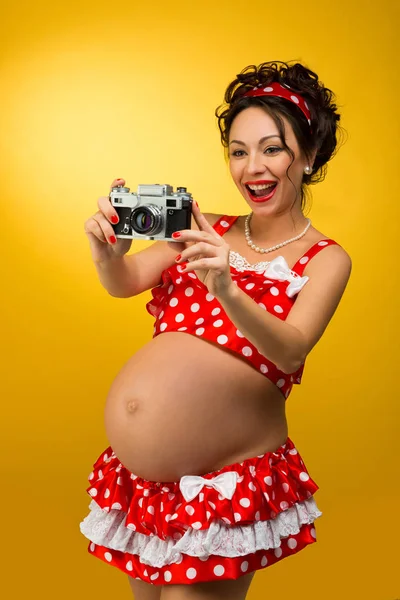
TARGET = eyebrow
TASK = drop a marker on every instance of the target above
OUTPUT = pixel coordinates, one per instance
(260, 142)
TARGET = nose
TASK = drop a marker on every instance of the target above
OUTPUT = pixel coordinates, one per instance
(256, 163)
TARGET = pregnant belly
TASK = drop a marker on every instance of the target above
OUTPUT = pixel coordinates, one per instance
(182, 405)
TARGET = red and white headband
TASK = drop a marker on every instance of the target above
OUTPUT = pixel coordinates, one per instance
(276, 89)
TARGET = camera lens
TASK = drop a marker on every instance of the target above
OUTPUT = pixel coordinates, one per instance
(146, 220)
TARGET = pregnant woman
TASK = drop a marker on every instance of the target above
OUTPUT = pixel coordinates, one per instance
(201, 485)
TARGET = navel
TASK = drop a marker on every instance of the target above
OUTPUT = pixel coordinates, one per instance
(132, 406)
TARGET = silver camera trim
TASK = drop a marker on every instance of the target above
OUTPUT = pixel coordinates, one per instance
(150, 196)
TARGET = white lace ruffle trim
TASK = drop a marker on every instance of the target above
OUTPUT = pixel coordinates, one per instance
(108, 529)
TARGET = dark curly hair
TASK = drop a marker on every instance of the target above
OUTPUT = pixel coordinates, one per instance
(320, 100)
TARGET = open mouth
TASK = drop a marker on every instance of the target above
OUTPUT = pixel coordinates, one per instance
(261, 191)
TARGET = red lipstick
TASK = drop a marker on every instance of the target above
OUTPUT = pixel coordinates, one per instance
(260, 182)
(267, 196)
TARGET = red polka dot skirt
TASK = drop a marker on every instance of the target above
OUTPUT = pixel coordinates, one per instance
(241, 518)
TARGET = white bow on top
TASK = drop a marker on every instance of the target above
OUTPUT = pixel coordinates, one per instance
(279, 269)
(225, 484)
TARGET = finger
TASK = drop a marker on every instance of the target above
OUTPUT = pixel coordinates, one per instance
(117, 182)
(201, 263)
(107, 230)
(177, 246)
(92, 227)
(107, 209)
(195, 235)
(196, 213)
(202, 222)
(201, 248)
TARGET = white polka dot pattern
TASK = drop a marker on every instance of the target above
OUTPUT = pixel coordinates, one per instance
(147, 509)
(183, 303)
(219, 570)
(191, 573)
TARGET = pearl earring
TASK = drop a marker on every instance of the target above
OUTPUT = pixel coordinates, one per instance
(307, 170)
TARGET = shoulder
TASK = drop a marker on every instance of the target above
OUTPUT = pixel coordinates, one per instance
(332, 262)
(334, 252)
(329, 272)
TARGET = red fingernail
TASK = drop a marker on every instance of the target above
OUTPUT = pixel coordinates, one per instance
(178, 257)
(176, 234)
(113, 239)
(197, 204)
(114, 219)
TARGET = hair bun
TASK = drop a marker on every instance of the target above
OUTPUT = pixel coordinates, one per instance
(320, 101)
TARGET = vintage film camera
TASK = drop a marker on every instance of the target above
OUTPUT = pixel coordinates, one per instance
(153, 213)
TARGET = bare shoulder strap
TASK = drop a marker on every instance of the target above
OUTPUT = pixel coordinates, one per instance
(311, 252)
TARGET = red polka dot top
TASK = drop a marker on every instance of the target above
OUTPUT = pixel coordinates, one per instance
(182, 303)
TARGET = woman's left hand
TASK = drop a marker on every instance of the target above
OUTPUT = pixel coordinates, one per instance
(212, 254)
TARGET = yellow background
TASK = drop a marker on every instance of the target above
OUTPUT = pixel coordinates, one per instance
(100, 90)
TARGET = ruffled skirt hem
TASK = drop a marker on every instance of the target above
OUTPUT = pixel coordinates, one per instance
(108, 529)
(240, 518)
(211, 568)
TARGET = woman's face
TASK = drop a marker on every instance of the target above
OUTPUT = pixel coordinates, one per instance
(252, 160)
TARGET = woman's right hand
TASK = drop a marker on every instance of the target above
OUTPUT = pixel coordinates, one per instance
(100, 233)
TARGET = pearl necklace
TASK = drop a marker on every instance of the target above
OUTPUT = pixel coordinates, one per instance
(265, 250)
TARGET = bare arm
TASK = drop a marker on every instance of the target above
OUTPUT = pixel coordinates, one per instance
(130, 275)
(287, 343)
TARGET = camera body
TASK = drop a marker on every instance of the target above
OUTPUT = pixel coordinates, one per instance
(155, 212)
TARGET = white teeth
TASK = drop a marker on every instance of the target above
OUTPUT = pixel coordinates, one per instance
(261, 187)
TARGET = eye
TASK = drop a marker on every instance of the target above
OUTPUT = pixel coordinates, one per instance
(273, 148)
